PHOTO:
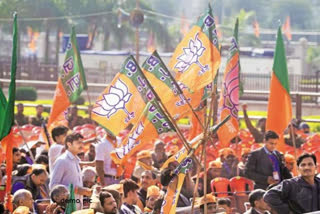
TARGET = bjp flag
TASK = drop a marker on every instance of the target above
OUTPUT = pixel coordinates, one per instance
(71, 82)
(197, 57)
(122, 103)
(229, 96)
(170, 92)
(151, 124)
(279, 106)
(171, 198)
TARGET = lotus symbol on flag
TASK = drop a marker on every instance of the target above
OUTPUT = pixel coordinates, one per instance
(115, 100)
(191, 55)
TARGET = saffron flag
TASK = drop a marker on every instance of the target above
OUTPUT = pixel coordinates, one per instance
(286, 28)
(171, 198)
(71, 82)
(197, 57)
(167, 88)
(7, 113)
(256, 28)
(122, 103)
(151, 124)
(229, 96)
(279, 106)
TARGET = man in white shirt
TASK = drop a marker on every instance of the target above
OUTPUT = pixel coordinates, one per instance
(105, 167)
(58, 134)
(67, 169)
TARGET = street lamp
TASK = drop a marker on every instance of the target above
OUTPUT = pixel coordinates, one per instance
(136, 19)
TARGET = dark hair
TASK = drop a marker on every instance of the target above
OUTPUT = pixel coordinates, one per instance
(56, 191)
(271, 135)
(14, 150)
(38, 171)
(306, 155)
(39, 105)
(72, 137)
(165, 177)
(158, 204)
(22, 169)
(103, 195)
(44, 152)
(224, 201)
(129, 185)
(153, 175)
(116, 195)
(255, 195)
(42, 159)
(57, 131)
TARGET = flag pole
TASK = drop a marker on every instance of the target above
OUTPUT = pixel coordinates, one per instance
(172, 121)
(46, 132)
(25, 142)
(180, 92)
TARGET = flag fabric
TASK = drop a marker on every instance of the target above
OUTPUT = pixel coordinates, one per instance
(7, 113)
(151, 46)
(71, 82)
(197, 57)
(286, 28)
(123, 101)
(171, 198)
(256, 28)
(279, 106)
(229, 96)
(151, 124)
(169, 91)
(71, 205)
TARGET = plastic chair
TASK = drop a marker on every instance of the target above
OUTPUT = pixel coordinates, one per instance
(220, 187)
(240, 185)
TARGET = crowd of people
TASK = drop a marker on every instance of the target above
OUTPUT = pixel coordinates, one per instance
(42, 175)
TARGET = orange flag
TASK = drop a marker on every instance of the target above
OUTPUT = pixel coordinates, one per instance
(286, 28)
(279, 106)
(229, 96)
(197, 57)
(71, 82)
(171, 198)
(123, 101)
(256, 28)
(167, 88)
(151, 124)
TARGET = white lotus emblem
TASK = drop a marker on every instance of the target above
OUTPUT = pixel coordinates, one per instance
(191, 55)
(115, 100)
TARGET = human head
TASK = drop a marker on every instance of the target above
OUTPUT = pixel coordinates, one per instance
(245, 154)
(16, 158)
(22, 197)
(89, 176)
(147, 179)
(271, 139)
(145, 157)
(74, 110)
(39, 109)
(211, 204)
(108, 203)
(159, 147)
(305, 128)
(256, 199)
(214, 169)
(153, 194)
(59, 134)
(224, 153)
(225, 203)
(60, 194)
(130, 191)
(289, 161)
(73, 143)
(39, 176)
(307, 164)
(20, 108)
(116, 194)
(42, 159)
